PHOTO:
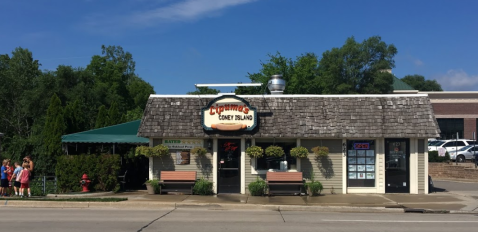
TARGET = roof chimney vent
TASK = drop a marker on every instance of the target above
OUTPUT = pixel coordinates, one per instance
(276, 84)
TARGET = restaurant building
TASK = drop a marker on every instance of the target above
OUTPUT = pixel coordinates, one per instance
(377, 143)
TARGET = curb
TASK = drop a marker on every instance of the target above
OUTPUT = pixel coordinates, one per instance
(155, 205)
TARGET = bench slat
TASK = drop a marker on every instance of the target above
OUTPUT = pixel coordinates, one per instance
(284, 176)
(178, 175)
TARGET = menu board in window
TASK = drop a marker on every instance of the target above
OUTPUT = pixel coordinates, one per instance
(361, 163)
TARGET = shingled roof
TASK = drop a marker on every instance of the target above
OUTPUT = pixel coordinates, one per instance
(299, 116)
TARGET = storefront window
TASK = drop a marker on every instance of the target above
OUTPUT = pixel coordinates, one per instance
(450, 126)
(266, 163)
(361, 163)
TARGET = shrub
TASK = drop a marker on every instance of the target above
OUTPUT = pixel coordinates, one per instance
(299, 152)
(199, 151)
(255, 152)
(203, 187)
(274, 151)
(321, 151)
(258, 187)
(315, 187)
(433, 157)
(102, 170)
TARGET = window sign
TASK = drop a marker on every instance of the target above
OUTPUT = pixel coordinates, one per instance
(361, 163)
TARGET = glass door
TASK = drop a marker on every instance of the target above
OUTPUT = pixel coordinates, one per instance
(397, 159)
(228, 166)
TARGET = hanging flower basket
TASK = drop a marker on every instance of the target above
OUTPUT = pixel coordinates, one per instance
(299, 152)
(321, 151)
(274, 151)
(255, 152)
(199, 151)
(156, 151)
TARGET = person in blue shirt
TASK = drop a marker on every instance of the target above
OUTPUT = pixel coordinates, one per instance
(16, 178)
(4, 179)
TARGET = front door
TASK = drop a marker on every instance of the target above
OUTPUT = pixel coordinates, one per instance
(397, 160)
(228, 166)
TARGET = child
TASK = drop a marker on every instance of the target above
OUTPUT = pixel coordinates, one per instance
(17, 176)
(9, 177)
(25, 180)
(3, 180)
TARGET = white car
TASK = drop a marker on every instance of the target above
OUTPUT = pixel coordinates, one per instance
(450, 145)
(465, 153)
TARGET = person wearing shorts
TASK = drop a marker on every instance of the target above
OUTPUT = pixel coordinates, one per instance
(16, 177)
(4, 179)
(25, 180)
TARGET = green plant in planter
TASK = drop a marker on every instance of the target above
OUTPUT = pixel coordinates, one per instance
(203, 187)
(258, 187)
(274, 151)
(155, 184)
(299, 152)
(321, 151)
(199, 151)
(156, 151)
(255, 152)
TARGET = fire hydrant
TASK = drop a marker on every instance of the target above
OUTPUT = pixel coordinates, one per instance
(84, 183)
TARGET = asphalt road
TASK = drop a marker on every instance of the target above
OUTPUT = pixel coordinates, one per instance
(197, 220)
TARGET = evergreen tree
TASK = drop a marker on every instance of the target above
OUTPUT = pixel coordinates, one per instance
(114, 117)
(102, 118)
(54, 128)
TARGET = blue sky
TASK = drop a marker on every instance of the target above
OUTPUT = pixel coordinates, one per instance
(177, 43)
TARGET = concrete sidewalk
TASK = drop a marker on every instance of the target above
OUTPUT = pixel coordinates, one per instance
(435, 202)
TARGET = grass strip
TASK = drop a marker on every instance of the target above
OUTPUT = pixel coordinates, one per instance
(109, 199)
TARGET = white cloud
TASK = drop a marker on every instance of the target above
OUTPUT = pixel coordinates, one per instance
(160, 13)
(458, 80)
(418, 62)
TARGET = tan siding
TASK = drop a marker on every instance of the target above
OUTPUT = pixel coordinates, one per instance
(421, 166)
(327, 170)
(202, 165)
(251, 177)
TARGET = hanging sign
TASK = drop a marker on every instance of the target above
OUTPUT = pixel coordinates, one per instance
(229, 113)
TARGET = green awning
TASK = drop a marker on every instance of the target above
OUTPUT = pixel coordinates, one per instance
(121, 133)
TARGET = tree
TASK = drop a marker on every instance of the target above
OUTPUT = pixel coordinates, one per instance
(114, 116)
(204, 90)
(301, 75)
(102, 118)
(54, 128)
(418, 82)
(358, 68)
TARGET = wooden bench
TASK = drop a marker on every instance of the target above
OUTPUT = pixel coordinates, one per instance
(177, 181)
(284, 182)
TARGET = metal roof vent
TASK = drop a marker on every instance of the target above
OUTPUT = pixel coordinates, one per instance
(276, 84)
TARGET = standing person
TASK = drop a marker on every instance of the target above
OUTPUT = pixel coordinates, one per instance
(9, 177)
(16, 177)
(3, 179)
(29, 160)
(25, 180)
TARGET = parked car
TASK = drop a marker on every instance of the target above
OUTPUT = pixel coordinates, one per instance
(450, 145)
(463, 154)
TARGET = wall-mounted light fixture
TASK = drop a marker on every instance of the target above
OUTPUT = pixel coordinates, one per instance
(209, 144)
(248, 143)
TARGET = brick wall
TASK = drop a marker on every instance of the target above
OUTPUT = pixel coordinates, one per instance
(455, 108)
(470, 127)
(466, 171)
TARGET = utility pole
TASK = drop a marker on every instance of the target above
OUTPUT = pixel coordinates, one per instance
(1, 136)
(456, 149)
